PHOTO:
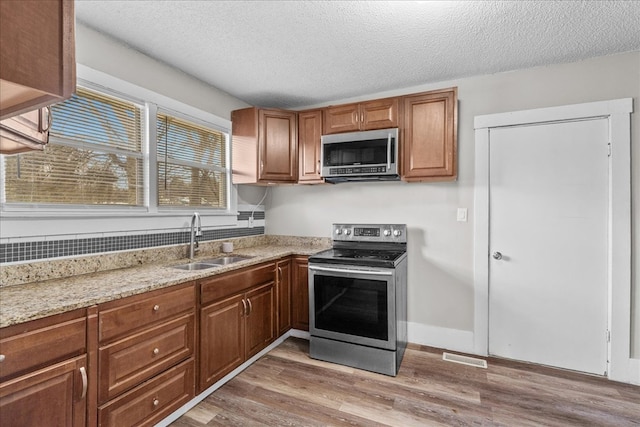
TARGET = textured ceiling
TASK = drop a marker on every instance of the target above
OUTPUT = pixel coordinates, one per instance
(291, 54)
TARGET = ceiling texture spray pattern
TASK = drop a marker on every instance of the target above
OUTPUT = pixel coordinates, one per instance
(293, 54)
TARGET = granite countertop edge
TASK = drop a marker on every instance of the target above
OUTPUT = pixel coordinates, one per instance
(31, 301)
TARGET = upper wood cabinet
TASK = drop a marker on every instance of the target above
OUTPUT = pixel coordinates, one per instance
(429, 136)
(370, 115)
(37, 53)
(265, 145)
(309, 133)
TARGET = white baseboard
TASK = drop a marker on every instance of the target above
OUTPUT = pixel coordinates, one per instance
(634, 371)
(434, 336)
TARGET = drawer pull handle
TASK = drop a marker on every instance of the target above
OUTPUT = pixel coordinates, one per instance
(156, 307)
(156, 402)
(1, 357)
(244, 308)
(156, 351)
(83, 372)
(250, 306)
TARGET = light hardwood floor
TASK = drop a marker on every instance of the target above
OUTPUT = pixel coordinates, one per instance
(287, 388)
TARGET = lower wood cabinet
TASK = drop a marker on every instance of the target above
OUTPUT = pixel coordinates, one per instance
(300, 293)
(134, 361)
(235, 324)
(44, 372)
(146, 355)
(283, 290)
(153, 400)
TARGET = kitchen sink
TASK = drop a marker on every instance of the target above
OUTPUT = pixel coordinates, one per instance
(193, 266)
(211, 263)
(225, 260)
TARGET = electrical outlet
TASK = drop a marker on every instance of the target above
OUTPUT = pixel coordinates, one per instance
(250, 222)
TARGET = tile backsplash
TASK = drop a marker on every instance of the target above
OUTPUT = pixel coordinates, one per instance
(46, 249)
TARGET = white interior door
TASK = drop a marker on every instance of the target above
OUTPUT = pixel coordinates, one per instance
(548, 204)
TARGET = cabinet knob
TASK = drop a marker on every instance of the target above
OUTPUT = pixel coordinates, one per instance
(1, 357)
(156, 402)
(156, 307)
(156, 351)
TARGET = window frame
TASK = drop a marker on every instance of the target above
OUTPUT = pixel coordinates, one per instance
(150, 102)
(226, 170)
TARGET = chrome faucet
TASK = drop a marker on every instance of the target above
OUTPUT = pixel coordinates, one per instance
(195, 232)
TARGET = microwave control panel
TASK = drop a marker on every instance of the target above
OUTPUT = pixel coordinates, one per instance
(357, 170)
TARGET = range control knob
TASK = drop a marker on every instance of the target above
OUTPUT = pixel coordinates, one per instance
(347, 232)
(397, 233)
(387, 232)
(338, 231)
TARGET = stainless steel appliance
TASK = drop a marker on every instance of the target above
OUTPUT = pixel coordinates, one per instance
(358, 298)
(360, 156)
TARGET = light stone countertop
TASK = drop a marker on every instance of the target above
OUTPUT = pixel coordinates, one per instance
(29, 301)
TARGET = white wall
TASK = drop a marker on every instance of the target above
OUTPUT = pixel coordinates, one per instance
(440, 261)
(103, 53)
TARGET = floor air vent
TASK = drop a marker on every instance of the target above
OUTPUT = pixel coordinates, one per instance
(465, 360)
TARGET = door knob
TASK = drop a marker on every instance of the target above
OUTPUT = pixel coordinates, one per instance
(497, 255)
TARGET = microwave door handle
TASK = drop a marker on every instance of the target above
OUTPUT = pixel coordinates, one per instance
(389, 153)
(346, 271)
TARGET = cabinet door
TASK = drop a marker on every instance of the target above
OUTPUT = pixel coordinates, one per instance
(53, 396)
(430, 136)
(283, 286)
(278, 140)
(379, 114)
(260, 320)
(341, 118)
(300, 294)
(37, 51)
(309, 134)
(222, 337)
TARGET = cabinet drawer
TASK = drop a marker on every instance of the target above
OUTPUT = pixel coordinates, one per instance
(42, 342)
(119, 317)
(219, 287)
(152, 401)
(130, 361)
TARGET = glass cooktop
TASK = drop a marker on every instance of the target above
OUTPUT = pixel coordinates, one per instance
(363, 257)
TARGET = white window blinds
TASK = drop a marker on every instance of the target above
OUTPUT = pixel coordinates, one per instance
(192, 170)
(94, 156)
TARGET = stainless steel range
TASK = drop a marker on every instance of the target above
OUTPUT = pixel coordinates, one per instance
(358, 298)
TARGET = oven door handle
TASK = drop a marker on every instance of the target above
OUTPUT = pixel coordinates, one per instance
(346, 271)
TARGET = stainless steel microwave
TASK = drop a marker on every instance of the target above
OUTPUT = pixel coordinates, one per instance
(360, 156)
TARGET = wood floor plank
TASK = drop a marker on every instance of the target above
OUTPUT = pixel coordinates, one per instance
(288, 388)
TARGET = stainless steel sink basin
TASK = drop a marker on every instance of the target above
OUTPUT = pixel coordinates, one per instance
(211, 263)
(226, 260)
(193, 266)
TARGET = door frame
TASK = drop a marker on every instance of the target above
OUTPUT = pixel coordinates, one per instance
(618, 112)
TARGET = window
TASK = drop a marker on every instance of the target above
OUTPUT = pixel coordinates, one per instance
(98, 157)
(94, 156)
(191, 164)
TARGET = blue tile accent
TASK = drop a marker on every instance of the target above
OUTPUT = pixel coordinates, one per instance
(31, 251)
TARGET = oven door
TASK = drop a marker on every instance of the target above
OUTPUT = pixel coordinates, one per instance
(353, 304)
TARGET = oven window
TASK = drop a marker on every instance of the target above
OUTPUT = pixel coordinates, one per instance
(351, 306)
(369, 152)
